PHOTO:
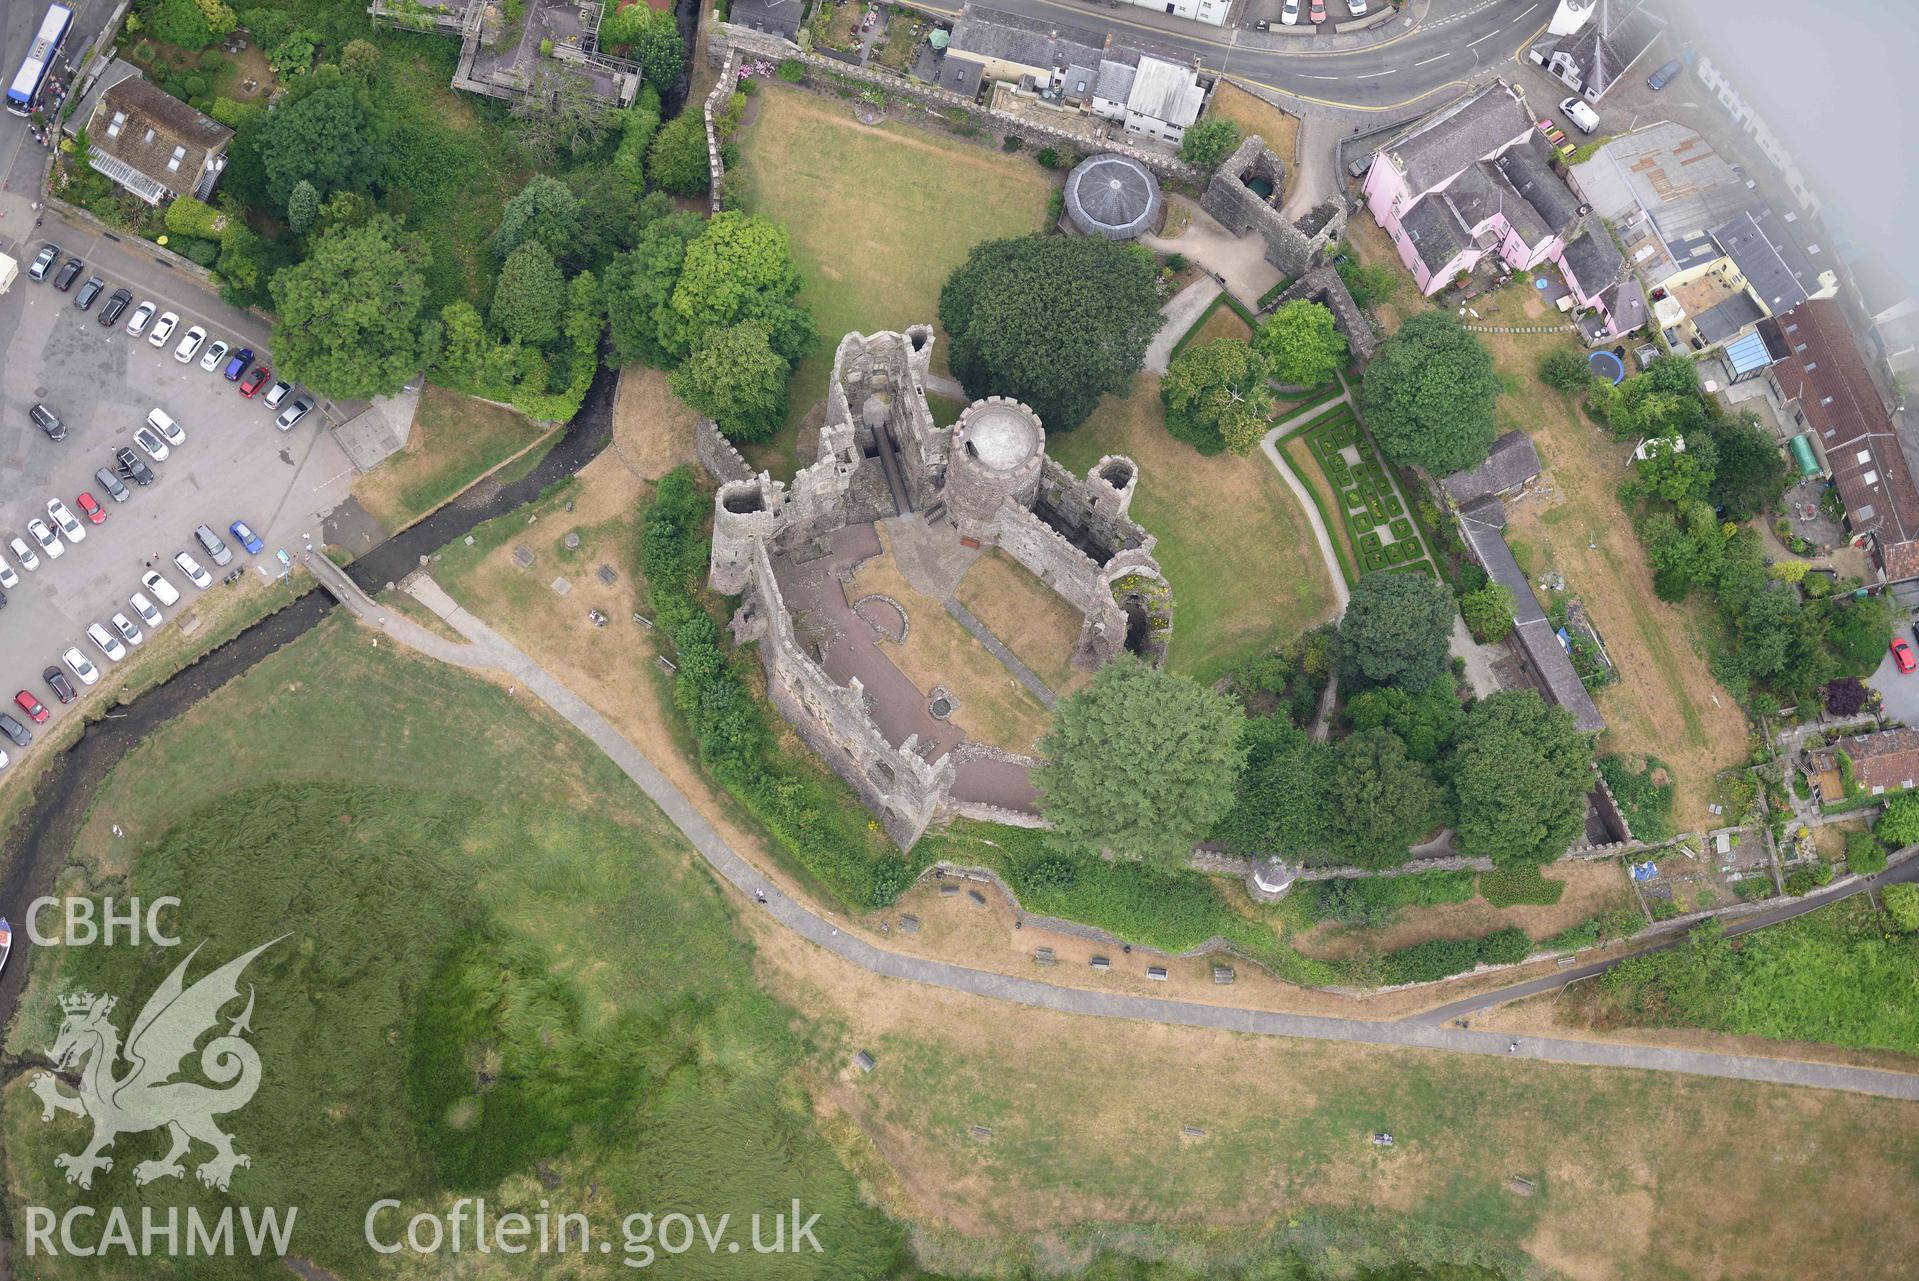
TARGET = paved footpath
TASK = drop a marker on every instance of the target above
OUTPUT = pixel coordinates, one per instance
(486, 650)
(1270, 444)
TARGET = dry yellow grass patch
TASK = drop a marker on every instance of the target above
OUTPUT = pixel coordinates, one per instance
(1029, 619)
(455, 441)
(1373, 247)
(1254, 115)
(652, 428)
(993, 707)
(1223, 323)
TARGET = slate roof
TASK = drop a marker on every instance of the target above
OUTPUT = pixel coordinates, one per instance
(1115, 80)
(1480, 523)
(1527, 168)
(1720, 322)
(1512, 462)
(1603, 58)
(1435, 230)
(1626, 304)
(1593, 259)
(961, 74)
(1449, 140)
(158, 130)
(1029, 42)
(1772, 263)
(780, 17)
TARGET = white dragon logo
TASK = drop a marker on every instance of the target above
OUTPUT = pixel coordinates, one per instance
(147, 1097)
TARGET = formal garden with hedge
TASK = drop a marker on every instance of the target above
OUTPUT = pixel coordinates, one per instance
(1373, 514)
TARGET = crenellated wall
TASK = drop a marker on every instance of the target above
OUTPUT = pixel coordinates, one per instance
(1241, 210)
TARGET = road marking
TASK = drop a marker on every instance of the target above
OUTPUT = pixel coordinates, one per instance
(1370, 74)
(1319, 77)
(1482, 40)
(1529, 9)
(1435, 58)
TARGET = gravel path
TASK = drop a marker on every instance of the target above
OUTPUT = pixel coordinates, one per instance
(488, 650)
(1270, 444)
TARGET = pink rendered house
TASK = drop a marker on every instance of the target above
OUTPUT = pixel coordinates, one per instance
(1476, 179)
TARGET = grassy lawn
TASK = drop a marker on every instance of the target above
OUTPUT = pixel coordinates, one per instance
(1232, 539)
(1218, 321)
(879, 218)
(512, 962)
(1366, 503)
(456, 440)
(1028, 617)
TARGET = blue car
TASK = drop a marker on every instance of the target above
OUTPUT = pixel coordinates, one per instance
(238, 365)
(244, 535)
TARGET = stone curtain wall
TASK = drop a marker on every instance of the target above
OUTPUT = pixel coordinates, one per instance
(1323, 285)
(729, 42)
(717, 455)
(716, 164)
(1243, 211)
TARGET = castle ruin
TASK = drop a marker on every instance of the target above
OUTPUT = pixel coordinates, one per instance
(983, 482)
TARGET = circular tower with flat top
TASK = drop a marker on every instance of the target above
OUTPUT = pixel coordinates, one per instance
(998, 450)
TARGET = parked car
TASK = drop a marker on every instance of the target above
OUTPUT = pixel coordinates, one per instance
(49, 541)
(90, 508)
(89, 293)
(1582, 116)
(162, 590)
(48, 421)
(14, 730)
(131, 466)
(80, 665)
(244, 535)
(238, 365)
(62, 515)
(57, 682)
(277, 393)
(111, 483)
(293, 413)
(43, 263)
(116, 306)
(191, 568)
(137, 323)
(211, 544)
(1316, 12)
(35, 709)
(68, 274)
(1290, 14)
(131, 634)
(145, 609)
(8, 578)
(216, 352)
(23, 553)
(150, 443)
(106, 642)
(255, 376)
(163, 329)
(189, 344)
(161, 421)
(1262, 25)
(1357, 7)
(1902, 655)
(1665, 75)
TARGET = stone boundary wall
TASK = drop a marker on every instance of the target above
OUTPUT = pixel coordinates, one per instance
(735, 40)
(1045, 553)
(1242, 211)
(1323, 285)
(722, 461)
(716, 165)
(1220, 863)
(985, 813)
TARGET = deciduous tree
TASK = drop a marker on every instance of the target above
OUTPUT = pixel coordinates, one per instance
(529, 296)
(1898, 827)
(1488, 612)
(1382, 800)
(1209, 142)
(736, 378)
(1902, 905)
(321, 137)
(678, 161)
(1521, 775)
(1216, 396)
(1395, 631)
(640, 284)
(650, 37)
(349, 322)
(1300, 344)
(1429, 394)
(1751, 475)
(1281, 802)
(545, 212)
(1141, 762)
(739, 269)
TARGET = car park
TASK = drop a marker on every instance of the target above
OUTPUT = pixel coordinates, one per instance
(161, 421)
(189, 344)
(43, 263)
(23, 554)
(89, 293)
(238, 365)
(137, 323)
(191, 568)
(255, 376)
(35, 709)
(128, 632)
(80, 665)
(68, 274)
(106, 642)
(162, 590)
(216, 355)
(211, 544)
(116, 306)
(279, 392)
(163, 329)
(151, 444)
(49, 541)
(111, 483)
(131, 466)
(145, 609)
(243, 532)
(8, 578)
(14, 730)
(48, 421)
(57, 682)
(293, 413)
(62, 515)
(90, 508)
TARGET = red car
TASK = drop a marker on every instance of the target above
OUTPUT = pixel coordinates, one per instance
(91, 509)
(36, 710)
(1316, 12)
(255, 379)
(1902, 654)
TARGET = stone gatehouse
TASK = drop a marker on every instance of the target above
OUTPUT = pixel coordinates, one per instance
(983, 482)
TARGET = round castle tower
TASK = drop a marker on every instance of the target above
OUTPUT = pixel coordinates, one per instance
(998, 451)
(746, 513)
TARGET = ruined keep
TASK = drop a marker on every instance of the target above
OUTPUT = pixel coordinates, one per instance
(987, 482)
(1244, 195)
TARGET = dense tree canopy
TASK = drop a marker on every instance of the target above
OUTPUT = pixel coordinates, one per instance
(349, 322)
(529, 296)
(736, 378)
(1054, 321)
(1281, 803)
(739, 269)
(1209, 142)
(1750, 476)
(1382, 803)
(1521, 775)
(1427, 720)
(1300, 344)
(649, 36)
(1488, 612)
(1395, 631)
(1216, 396)
(321, 137)
(1141, 762)
(1429, 394)
(545, 212)
(639, 287)
(678, 161)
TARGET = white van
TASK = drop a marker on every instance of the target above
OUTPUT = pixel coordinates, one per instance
(161, 421)
(1580, 114)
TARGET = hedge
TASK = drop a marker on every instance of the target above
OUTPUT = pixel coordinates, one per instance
(1511, 886)
(1438, 959)
(1369, 899)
